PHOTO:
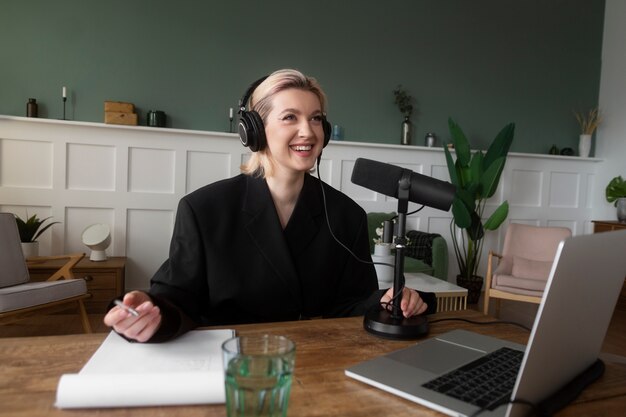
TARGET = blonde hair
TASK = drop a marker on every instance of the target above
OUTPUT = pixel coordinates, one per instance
(261, 163)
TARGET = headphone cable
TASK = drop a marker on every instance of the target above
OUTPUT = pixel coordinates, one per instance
(330, 228)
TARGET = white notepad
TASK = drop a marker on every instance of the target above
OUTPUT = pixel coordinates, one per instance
(186, 370)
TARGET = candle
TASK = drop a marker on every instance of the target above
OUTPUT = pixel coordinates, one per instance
(64, 92)
(230, 113)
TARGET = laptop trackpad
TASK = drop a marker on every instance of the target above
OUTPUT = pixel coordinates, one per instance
(436, 356)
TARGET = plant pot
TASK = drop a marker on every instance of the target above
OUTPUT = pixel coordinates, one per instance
(382, 253)
(30, 249)
(621, 209)
(474, 286)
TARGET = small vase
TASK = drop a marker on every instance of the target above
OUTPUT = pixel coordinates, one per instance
(382, 253)
(584, 146)
(621, 209)
(406, 131)
(30, 249)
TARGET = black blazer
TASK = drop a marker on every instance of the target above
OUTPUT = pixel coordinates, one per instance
(231, 262)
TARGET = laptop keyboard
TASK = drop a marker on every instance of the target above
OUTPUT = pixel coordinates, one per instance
(486, 382)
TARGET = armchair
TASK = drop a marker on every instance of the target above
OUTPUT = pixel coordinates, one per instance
(19, 297)
(426, 252)
(524, 265)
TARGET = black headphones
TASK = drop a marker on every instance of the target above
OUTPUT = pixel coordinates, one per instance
(251, 128)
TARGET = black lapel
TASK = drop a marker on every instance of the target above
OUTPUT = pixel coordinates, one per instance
(307, 217)
(266, 233)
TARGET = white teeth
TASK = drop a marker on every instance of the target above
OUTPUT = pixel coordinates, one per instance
(302, 148)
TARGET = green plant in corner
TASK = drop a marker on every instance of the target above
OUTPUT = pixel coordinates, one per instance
(476, 176)
(615, 190)
(32, 228)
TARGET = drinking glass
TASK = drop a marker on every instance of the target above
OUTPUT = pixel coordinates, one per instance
(258, 372)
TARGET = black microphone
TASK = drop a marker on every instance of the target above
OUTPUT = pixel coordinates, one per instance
(384, 178)
(405, 185)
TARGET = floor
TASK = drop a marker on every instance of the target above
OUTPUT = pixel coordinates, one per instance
(56, 324)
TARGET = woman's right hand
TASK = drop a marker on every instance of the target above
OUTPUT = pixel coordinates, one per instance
(140, 328)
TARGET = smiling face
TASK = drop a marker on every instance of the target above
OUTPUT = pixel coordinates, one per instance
(293, 127)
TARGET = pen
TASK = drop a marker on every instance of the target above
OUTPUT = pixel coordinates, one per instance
(127, 308)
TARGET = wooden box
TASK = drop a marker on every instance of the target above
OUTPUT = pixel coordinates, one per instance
(120, 118)
(119, 106)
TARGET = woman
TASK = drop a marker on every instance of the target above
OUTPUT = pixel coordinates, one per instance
(257, 247)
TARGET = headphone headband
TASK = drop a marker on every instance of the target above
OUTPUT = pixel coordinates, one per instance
(251, 128)
(243, 102)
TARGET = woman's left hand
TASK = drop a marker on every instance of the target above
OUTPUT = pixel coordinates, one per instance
(411, 305)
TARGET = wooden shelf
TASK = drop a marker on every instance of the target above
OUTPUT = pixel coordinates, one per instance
(105, 279)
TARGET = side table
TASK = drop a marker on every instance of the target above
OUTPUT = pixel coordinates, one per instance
(450, 297)
(600, 226)
(105, 279)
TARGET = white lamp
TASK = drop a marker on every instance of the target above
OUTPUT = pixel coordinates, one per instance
(97, 237)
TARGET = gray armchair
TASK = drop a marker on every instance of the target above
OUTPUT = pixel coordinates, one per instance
(19, 297)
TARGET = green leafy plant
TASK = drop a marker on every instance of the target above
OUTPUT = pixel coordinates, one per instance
(476, 176)
(404, 101)
(32, 228)
(615, 190)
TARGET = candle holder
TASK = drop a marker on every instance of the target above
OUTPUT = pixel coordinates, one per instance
(230, 127)
(64, 100)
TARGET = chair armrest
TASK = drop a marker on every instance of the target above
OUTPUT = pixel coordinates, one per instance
(440, 258)
(65, 271)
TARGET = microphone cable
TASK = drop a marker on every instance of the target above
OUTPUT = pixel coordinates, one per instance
(388, 304)
(330, 229)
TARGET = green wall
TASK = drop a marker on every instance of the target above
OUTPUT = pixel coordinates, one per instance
(482, 62)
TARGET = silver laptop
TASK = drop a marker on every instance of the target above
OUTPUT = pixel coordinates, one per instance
(581, 293)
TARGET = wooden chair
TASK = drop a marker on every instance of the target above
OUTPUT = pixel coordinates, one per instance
(21, 298)
(524, 266)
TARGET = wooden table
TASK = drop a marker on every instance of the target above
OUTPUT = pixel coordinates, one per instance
(30, 369)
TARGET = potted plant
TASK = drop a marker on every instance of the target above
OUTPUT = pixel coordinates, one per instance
(382, 255)
(476, 176)
(29, 231)
(588, 124)
(405, 103)
(616, 193)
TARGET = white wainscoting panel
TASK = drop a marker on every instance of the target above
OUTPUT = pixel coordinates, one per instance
(132, 178)
(90, 167)
(26, 163)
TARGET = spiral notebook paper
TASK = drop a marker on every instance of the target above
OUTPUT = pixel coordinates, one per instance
(187, 370)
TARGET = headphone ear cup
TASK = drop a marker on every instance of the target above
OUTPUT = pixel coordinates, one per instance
(327, 131)
(252, 131)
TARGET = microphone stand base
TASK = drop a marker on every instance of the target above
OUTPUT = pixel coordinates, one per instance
(381, 323)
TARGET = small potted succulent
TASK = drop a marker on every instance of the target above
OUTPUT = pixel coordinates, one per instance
(616, 193)
(29, 230)
(382, 257)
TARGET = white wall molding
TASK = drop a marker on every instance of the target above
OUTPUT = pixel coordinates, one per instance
(132, 177)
